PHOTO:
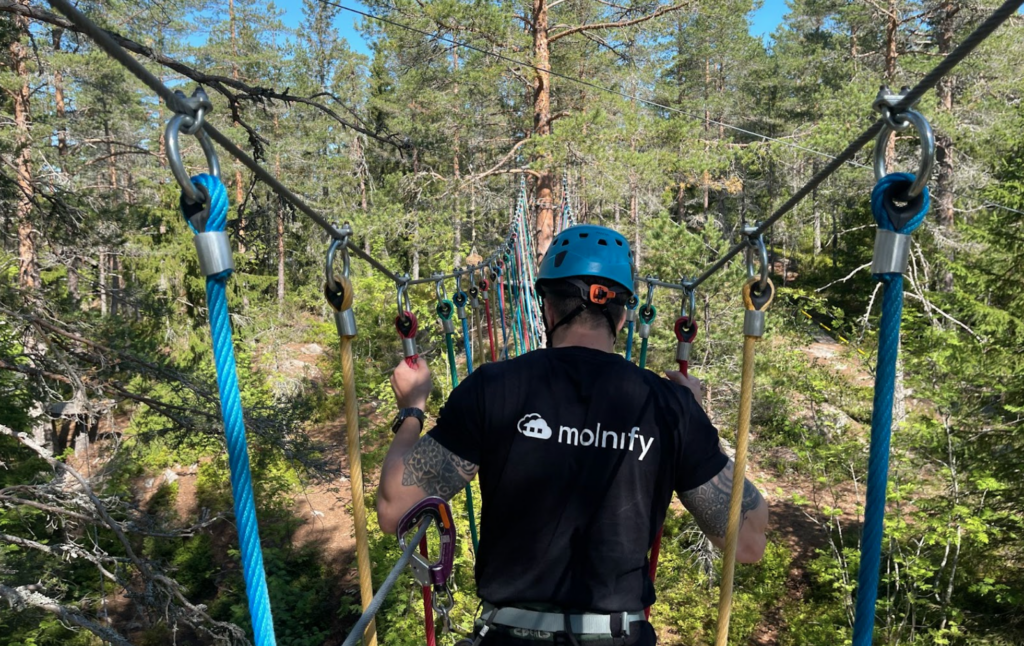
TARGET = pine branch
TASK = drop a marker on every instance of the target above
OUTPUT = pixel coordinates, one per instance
(219, 83)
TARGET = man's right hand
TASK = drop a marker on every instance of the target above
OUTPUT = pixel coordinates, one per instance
(412, 386)
(692, 383)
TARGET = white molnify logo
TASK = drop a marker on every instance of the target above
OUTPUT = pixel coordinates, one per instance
(533, 425)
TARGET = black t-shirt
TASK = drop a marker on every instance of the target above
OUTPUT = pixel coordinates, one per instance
(579, 453)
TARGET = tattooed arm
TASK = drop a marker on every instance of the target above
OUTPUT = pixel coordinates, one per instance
(414, 469)
(709, 504)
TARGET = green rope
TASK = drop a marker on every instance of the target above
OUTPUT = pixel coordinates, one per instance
(449, 341)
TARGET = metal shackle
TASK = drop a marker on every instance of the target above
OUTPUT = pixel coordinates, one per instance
(756, 243)
(190, 125)
(884, 103)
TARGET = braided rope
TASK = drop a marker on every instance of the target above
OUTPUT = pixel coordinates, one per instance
(881, 418)
(234, 426)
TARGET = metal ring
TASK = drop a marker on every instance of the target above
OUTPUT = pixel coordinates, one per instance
(402, 297)
(341, 244)
(927, 137)
(192, 194)
(757, 242)
(439, 289)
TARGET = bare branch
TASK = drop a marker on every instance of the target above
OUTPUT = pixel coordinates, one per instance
(26, 597)
(621, 23)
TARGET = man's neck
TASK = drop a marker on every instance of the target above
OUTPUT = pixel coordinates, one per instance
(584, 338)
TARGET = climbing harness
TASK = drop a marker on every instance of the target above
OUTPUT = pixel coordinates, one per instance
(758, 293)
(339, 294)
(646, 314)
(205, 208)
(892, 249)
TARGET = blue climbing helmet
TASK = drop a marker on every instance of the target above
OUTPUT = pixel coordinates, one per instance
(589, 251)
(592, 263)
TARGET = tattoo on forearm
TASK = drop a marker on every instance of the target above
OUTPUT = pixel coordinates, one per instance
(435, 469)
(709, 503)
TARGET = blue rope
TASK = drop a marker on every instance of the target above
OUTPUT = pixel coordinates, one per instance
(234, 426)
(469, 346)
(881, 418)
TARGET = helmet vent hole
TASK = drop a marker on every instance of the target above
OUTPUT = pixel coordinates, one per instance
(584, 235)
(565, 242)
(618, 242)
(602, 242)
(559, 258)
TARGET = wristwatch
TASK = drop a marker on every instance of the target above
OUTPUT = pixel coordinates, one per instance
(405, 414)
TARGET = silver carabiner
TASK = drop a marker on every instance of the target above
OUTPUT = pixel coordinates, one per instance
(688, 307)
(927, 137)
(337, 245)
(756, 242)
(402, 296)
(181, 122)
(650, 293)
(439, 289)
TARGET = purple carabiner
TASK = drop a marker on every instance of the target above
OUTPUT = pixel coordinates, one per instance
(427, 573)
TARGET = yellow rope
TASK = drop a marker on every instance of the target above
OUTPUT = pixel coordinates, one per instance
(355, 466)
(740, 467)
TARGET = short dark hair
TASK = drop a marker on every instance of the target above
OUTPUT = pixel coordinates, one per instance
(564, 297)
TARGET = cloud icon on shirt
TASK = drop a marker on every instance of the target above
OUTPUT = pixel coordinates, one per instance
(533, 425)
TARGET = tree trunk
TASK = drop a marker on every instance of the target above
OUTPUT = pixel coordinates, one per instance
(944, 202)
(102, 283)
(817, 217)
(239, 190)
(58, 97)
(28, 265)
(545, 222)
(891, 28)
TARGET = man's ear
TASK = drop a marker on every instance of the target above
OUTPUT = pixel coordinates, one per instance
(622, 322)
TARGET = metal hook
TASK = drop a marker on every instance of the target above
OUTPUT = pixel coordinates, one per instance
(190, 125)
(688, 307)
(336, 245)
(402, 297)
(439, 289)
(756, 242)
(927, 137)
(650, 293)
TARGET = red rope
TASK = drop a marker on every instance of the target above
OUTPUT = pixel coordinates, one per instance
(655, 552)
(428, 606)
(406, 325)
(484, 286)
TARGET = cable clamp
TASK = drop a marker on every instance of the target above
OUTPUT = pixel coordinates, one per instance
(683, 351)
(892, 252)
(753, 323)
(346, 323)
(214, 249)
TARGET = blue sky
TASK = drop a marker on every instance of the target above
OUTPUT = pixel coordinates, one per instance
(763, 21)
